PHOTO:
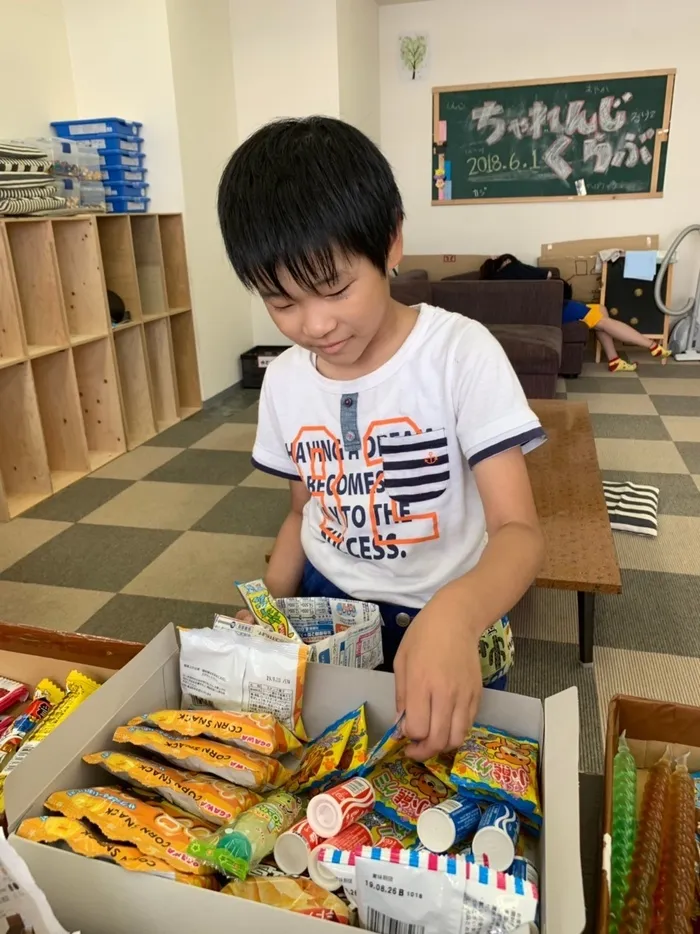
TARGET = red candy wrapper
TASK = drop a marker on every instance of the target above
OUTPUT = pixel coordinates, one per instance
(335, 809)
(11, 693)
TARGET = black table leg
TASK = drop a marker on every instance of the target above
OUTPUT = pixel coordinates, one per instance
(586, 613)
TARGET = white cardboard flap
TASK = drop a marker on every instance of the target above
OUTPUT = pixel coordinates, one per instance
(563, 907)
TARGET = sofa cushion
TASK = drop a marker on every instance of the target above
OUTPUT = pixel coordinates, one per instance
(531, 348)
(411, 291)
(575, 332)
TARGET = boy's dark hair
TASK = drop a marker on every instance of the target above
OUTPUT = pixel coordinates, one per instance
(491, 266)
(297, 191)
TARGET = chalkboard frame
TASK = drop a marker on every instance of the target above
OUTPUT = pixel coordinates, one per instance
(661, 134)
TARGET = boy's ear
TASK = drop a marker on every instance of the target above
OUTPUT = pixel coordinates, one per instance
(395, 250)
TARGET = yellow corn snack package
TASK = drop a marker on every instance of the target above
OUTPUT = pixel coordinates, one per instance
(259, 732)
(323, 755)
(195, 793)
(356, 750)
(124, 818)
(204, 755)
(441, 767)
(266, 612)
(300, 895)
(82, 839)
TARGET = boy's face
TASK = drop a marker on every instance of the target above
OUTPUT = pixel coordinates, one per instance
(341, 319)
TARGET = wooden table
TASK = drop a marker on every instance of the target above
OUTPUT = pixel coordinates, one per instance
(568, 491)
(71, 647)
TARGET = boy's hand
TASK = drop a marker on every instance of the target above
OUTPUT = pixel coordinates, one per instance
(245, 616)
(438, 677)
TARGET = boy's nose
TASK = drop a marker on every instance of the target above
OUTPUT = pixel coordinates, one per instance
(318, 324)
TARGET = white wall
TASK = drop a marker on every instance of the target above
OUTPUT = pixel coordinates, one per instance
(35, 72)
(358, 64)
(510, 40)
(285, 61)
(204, 93)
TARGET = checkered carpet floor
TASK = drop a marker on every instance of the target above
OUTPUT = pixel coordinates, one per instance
(160, 534)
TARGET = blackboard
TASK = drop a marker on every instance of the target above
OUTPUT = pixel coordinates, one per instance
(586, 138)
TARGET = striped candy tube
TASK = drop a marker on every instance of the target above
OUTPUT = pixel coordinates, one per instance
(335, 809)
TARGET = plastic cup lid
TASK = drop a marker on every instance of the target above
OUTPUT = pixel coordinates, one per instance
(436, 830)
(323, 817)
(496, 846)
(320, 874)
(291, 854)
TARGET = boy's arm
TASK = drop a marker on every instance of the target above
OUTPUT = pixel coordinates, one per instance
(287, 560)
(437, 667)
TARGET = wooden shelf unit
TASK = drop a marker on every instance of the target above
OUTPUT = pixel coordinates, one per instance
(76, 392)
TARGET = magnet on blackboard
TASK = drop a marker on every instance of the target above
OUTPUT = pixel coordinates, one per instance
(447, 191)
(580, 187)
(442, 131)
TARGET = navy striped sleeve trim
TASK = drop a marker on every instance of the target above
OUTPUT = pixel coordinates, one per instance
(273, 472)
(522, 440)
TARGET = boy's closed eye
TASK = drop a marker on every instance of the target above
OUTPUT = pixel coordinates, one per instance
(285, 306)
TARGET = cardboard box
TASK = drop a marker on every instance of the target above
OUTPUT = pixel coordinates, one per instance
(577, 260)
(443, 264)
(101, 898)
(650, 726)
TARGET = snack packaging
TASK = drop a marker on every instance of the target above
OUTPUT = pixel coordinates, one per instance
(261, 604)
(124, 818)
(46, 695)
(82, 839)
(392, 741)
(244, 667)
(357, 748)
(333, 810)
(525, 869)
(240, 846)
(322, 756)
(370, 830)
(23, 905)
(11, 693)
(194, 792)
(441, 827)
(456, 895)
(494, 765)
(441, 766)
(204, 755)
(293, 848)
(404, 789)
(5, 724)
(300, 895)
(259, 732)
(496, 838)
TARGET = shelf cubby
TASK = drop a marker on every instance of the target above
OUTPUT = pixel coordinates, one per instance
(80, 271)
(172, 236)
(59, 408)
(36, 273)
(119, 262)
(186, 369)
(161, 365)
(99, 401)
(24, 466)
(133, 378)
(149, 265)
(12, 346)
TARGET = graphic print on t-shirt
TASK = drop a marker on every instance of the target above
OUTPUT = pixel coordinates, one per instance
(377, 501)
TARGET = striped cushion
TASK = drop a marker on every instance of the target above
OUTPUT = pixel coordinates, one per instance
(632, 507)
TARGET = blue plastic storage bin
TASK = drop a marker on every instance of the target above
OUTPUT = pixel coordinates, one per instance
(120, 160)
(124, 190)
(128, 176)
(128, 144)
(127, 205)
(96, 126)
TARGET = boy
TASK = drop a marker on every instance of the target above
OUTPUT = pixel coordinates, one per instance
(401, 430)
(595, 317)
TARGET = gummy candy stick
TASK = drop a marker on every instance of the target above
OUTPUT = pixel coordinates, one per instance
(638, 907)
(624, 826)
(675, 902)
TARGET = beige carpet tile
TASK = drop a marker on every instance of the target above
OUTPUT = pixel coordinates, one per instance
(62, 608)
(550, 615)
(231, 436)
(561, 385)
(21, 536)
(636, 455)
(265, 481)
(696, 478)
(137, 463)
(203, 566)
(682, 427)
(605, 403)
(671, 386)
(676, 549)
(151, 505)
(644, 674)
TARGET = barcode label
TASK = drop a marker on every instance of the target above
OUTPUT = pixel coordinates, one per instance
(383, 924)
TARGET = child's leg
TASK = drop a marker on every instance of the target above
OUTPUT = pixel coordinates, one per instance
(608, 328)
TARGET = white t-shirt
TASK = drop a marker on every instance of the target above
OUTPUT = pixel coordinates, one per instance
(395, 513)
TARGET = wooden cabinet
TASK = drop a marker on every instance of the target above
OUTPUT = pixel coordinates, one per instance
(76, 391)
